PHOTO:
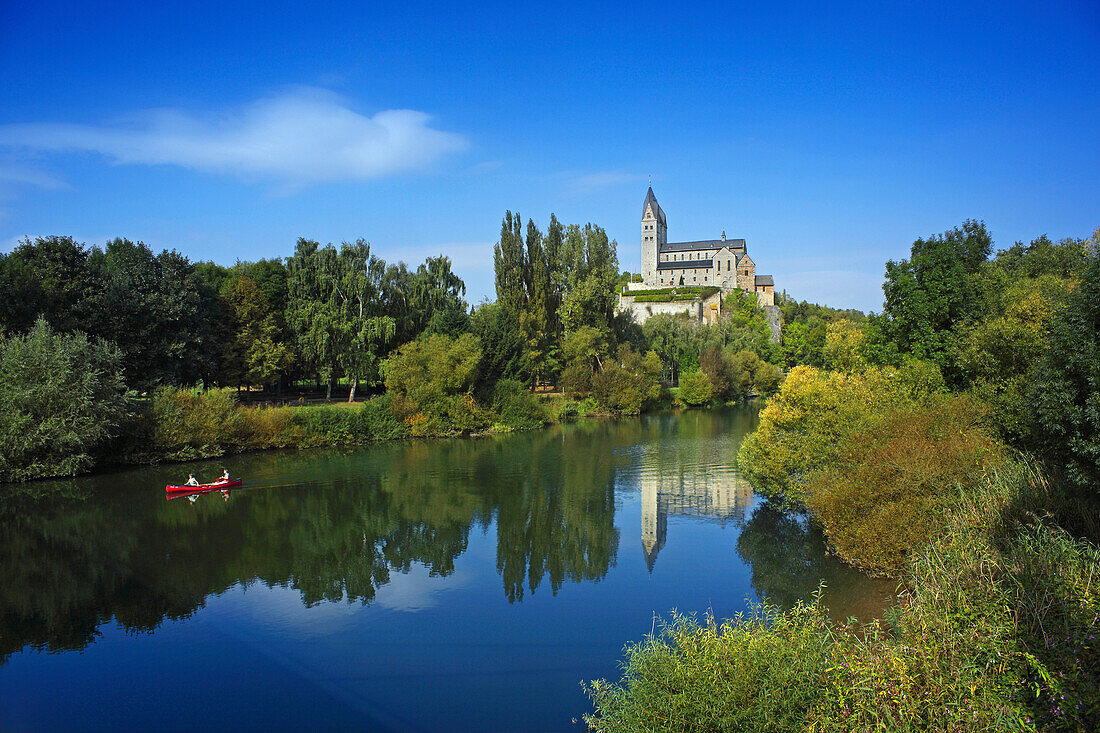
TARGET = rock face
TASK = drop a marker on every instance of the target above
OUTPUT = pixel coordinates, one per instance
(775, 321)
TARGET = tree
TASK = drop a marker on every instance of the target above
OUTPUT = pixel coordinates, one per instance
(48, 277)
(695, 388)
(929, 295)
(843, 347)
(1066, 391)
(364, 329)
(718, 368)
(671, 338)
(592, 268)
(437, 300)
(152, 307)
(433, 367)
(312, 314)
(628, 382)
(502, 346)
(63, 398)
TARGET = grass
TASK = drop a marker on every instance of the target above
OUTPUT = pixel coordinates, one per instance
(996, 632)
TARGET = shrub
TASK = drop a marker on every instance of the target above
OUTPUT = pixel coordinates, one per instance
(330, 425)
(695, 388)
(62, 398)
(885, 494)
(758, 672)
(516, 406)
(803, 426)
(576, 379)
(191, 424)
(628, 382)
(380, 420)
(996, 633)
(430, 368)
(567, 410)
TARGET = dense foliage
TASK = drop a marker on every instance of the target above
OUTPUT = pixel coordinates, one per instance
(895, 436)
(63, 398)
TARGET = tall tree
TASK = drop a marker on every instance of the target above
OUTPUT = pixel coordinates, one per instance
(437, 297)
(151, 306)
(365, 329)
(929, 295)
(48, 277)
(311, 314)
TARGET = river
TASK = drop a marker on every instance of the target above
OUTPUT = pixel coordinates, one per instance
(437, 585)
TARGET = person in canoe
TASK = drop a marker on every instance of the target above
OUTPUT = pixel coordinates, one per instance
(224, 476)
(191, 480)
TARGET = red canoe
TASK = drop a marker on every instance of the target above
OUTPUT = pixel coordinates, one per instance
(232, 483)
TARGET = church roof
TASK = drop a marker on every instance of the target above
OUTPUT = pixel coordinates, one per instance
(686, 265)
(765, 280)
(733, 244)
(657, 210)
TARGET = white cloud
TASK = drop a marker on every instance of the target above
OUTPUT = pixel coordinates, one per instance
(16, 174)
(305, 135)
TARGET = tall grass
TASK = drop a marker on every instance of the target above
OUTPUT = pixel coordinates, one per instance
(995, 632)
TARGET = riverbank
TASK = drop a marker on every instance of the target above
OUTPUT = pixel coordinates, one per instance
(177, 425)
(996, 628)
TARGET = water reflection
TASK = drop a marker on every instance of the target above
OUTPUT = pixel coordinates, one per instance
(689, 474)
(340, 525)
(337, 528)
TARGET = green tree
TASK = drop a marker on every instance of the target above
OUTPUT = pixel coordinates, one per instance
(502, 345)
(63, 398)
(433, 367)
(152, 307)
(313, 315)
(929, 295)
(695, 388)
(48, 277)
(1066, 387)
(364, 329)
(437, 297)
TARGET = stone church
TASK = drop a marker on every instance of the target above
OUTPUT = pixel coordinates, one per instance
(717, 265)
(724, 263)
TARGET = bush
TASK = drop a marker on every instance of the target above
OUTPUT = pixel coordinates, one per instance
(516, 407)
(190, 424)
(62, 399)
(434, 367)
(885, 494)
(380, 421)
(804, 425)
(997, 633)
(695, 388)
(757, 672)
(567, 410)
(629, 382)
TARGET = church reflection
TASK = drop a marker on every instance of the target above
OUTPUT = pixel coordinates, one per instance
(688, 488)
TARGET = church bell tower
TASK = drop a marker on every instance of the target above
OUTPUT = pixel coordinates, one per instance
(654, 234)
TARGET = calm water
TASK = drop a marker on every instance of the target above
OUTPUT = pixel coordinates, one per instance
(436, 585)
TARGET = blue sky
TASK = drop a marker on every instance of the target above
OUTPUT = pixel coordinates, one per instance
(829, 137)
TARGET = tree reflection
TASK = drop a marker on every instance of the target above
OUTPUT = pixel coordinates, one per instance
(788, 556)
(70, 563)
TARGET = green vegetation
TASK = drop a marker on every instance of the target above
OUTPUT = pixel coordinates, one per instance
(63, 398)
(900, 436)
(668, 295)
